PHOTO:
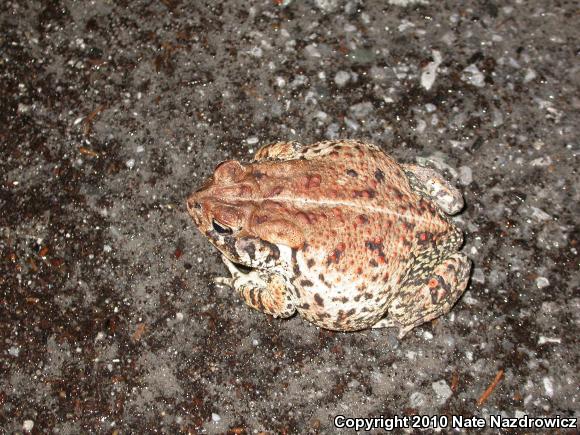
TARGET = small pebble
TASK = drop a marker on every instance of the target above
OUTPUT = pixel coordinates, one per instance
(299, 80)
(473, 76)
(538, 145)
(442, 390)
(542, 161)
(544, 340)
(465, 175)
(361, 110)
(378, 74)
(341, 78)
(27, 425)
(540, 214)
(332, 131)
(215, 417)
(429, 73)
(404, 3)
(352, 124)
(417, 400)
(321, 116)
(542, 282)
(430, 108)
(405, 24)
(548, 386)
(256, 52)
(478, 275)
(421, 125)
(497, 117)
(130, 163)
(312, 51)
(468, 299)
(327, 5)
(530, 75)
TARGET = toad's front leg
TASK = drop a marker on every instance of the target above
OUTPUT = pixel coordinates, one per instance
(267, 293)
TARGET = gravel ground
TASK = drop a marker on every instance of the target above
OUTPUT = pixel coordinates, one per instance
(112, 112)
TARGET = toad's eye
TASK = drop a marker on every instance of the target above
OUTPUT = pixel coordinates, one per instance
(220, 228)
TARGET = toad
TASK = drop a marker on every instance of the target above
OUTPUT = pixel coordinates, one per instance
(337, 231)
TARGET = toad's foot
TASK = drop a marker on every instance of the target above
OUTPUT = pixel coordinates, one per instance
(387, 322)
(264, 292)
(431, 183)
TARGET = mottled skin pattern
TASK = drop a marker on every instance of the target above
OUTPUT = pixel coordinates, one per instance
(337, 231)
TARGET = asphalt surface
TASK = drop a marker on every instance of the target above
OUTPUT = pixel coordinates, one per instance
(112, 112)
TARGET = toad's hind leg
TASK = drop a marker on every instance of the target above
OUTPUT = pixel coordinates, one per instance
(266, 293)
(422, 300)
(431, 183)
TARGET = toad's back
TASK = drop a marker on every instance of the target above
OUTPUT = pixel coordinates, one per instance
(353, 204)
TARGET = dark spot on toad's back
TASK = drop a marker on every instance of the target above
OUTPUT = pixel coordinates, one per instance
(379, 176)
(296, 269)
(362, 219)
(276, 190)
(334, 257)
(321, 278)
(342, 299)
(260, 219)
(258, 174)
(374, 246)
(409, 225)
(352, 173)
(319, 301)
(367, 193)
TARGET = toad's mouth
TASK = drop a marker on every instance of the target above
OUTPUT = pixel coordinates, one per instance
(243, 268)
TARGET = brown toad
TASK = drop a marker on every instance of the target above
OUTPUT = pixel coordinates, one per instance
(337, 231)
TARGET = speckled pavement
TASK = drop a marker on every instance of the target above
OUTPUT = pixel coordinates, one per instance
(112, 112)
